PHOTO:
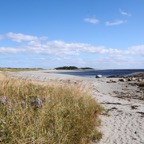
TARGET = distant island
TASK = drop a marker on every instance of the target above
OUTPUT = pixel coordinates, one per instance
(72, 68)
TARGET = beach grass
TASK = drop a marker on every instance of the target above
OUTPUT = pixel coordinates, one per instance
(18, 69)
(66, 115)
(141, 84)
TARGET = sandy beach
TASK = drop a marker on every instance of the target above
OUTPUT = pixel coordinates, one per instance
(124, 123)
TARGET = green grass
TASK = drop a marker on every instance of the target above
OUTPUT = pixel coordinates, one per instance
(68, 115)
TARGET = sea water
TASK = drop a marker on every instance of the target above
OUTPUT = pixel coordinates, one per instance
(104, 73)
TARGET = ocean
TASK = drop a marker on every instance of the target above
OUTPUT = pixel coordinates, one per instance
(104, 73)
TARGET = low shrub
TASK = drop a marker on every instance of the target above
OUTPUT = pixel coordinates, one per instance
(65, 115)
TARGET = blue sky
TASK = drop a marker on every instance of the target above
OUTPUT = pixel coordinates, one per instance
(103, 34)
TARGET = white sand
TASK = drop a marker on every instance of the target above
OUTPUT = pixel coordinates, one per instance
(124, 125)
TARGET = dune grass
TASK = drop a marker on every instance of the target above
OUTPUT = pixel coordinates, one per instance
(18, 69)
(141, 84)
(67, 115)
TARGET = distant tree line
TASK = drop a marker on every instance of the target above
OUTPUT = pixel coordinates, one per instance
(71, 68)
(67, 68)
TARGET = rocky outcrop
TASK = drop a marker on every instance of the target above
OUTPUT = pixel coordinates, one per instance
(115, 76)
(98, 76)
(122, 80)
(111, 81)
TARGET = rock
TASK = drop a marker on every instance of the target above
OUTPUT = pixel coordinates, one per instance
(134, 107)
(139, 80)
(131, 79)
(36, 102)
(122, 80)
(111, 81)
(98, 76)
(115, 76)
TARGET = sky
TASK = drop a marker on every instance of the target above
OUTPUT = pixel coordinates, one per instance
(102, 34)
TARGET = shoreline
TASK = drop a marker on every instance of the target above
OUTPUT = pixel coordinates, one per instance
(124, 123)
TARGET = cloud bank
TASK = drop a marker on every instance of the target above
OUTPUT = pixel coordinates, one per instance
(71, 53)
(56, 47)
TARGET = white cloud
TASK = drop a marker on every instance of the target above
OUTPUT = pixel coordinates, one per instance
(63, 48)
(116, 22)
(136, 50)
(124, 13)
(18, 37)
(43, 38)
(116, 62)
(1, 37)
(9, 50)
(91, 20)
(71, 53)
(34, 43)
(34, 46)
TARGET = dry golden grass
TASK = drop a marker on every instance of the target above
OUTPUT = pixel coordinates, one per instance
(67, 115)
(19, 69)
(2, 76)
(141, 84)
